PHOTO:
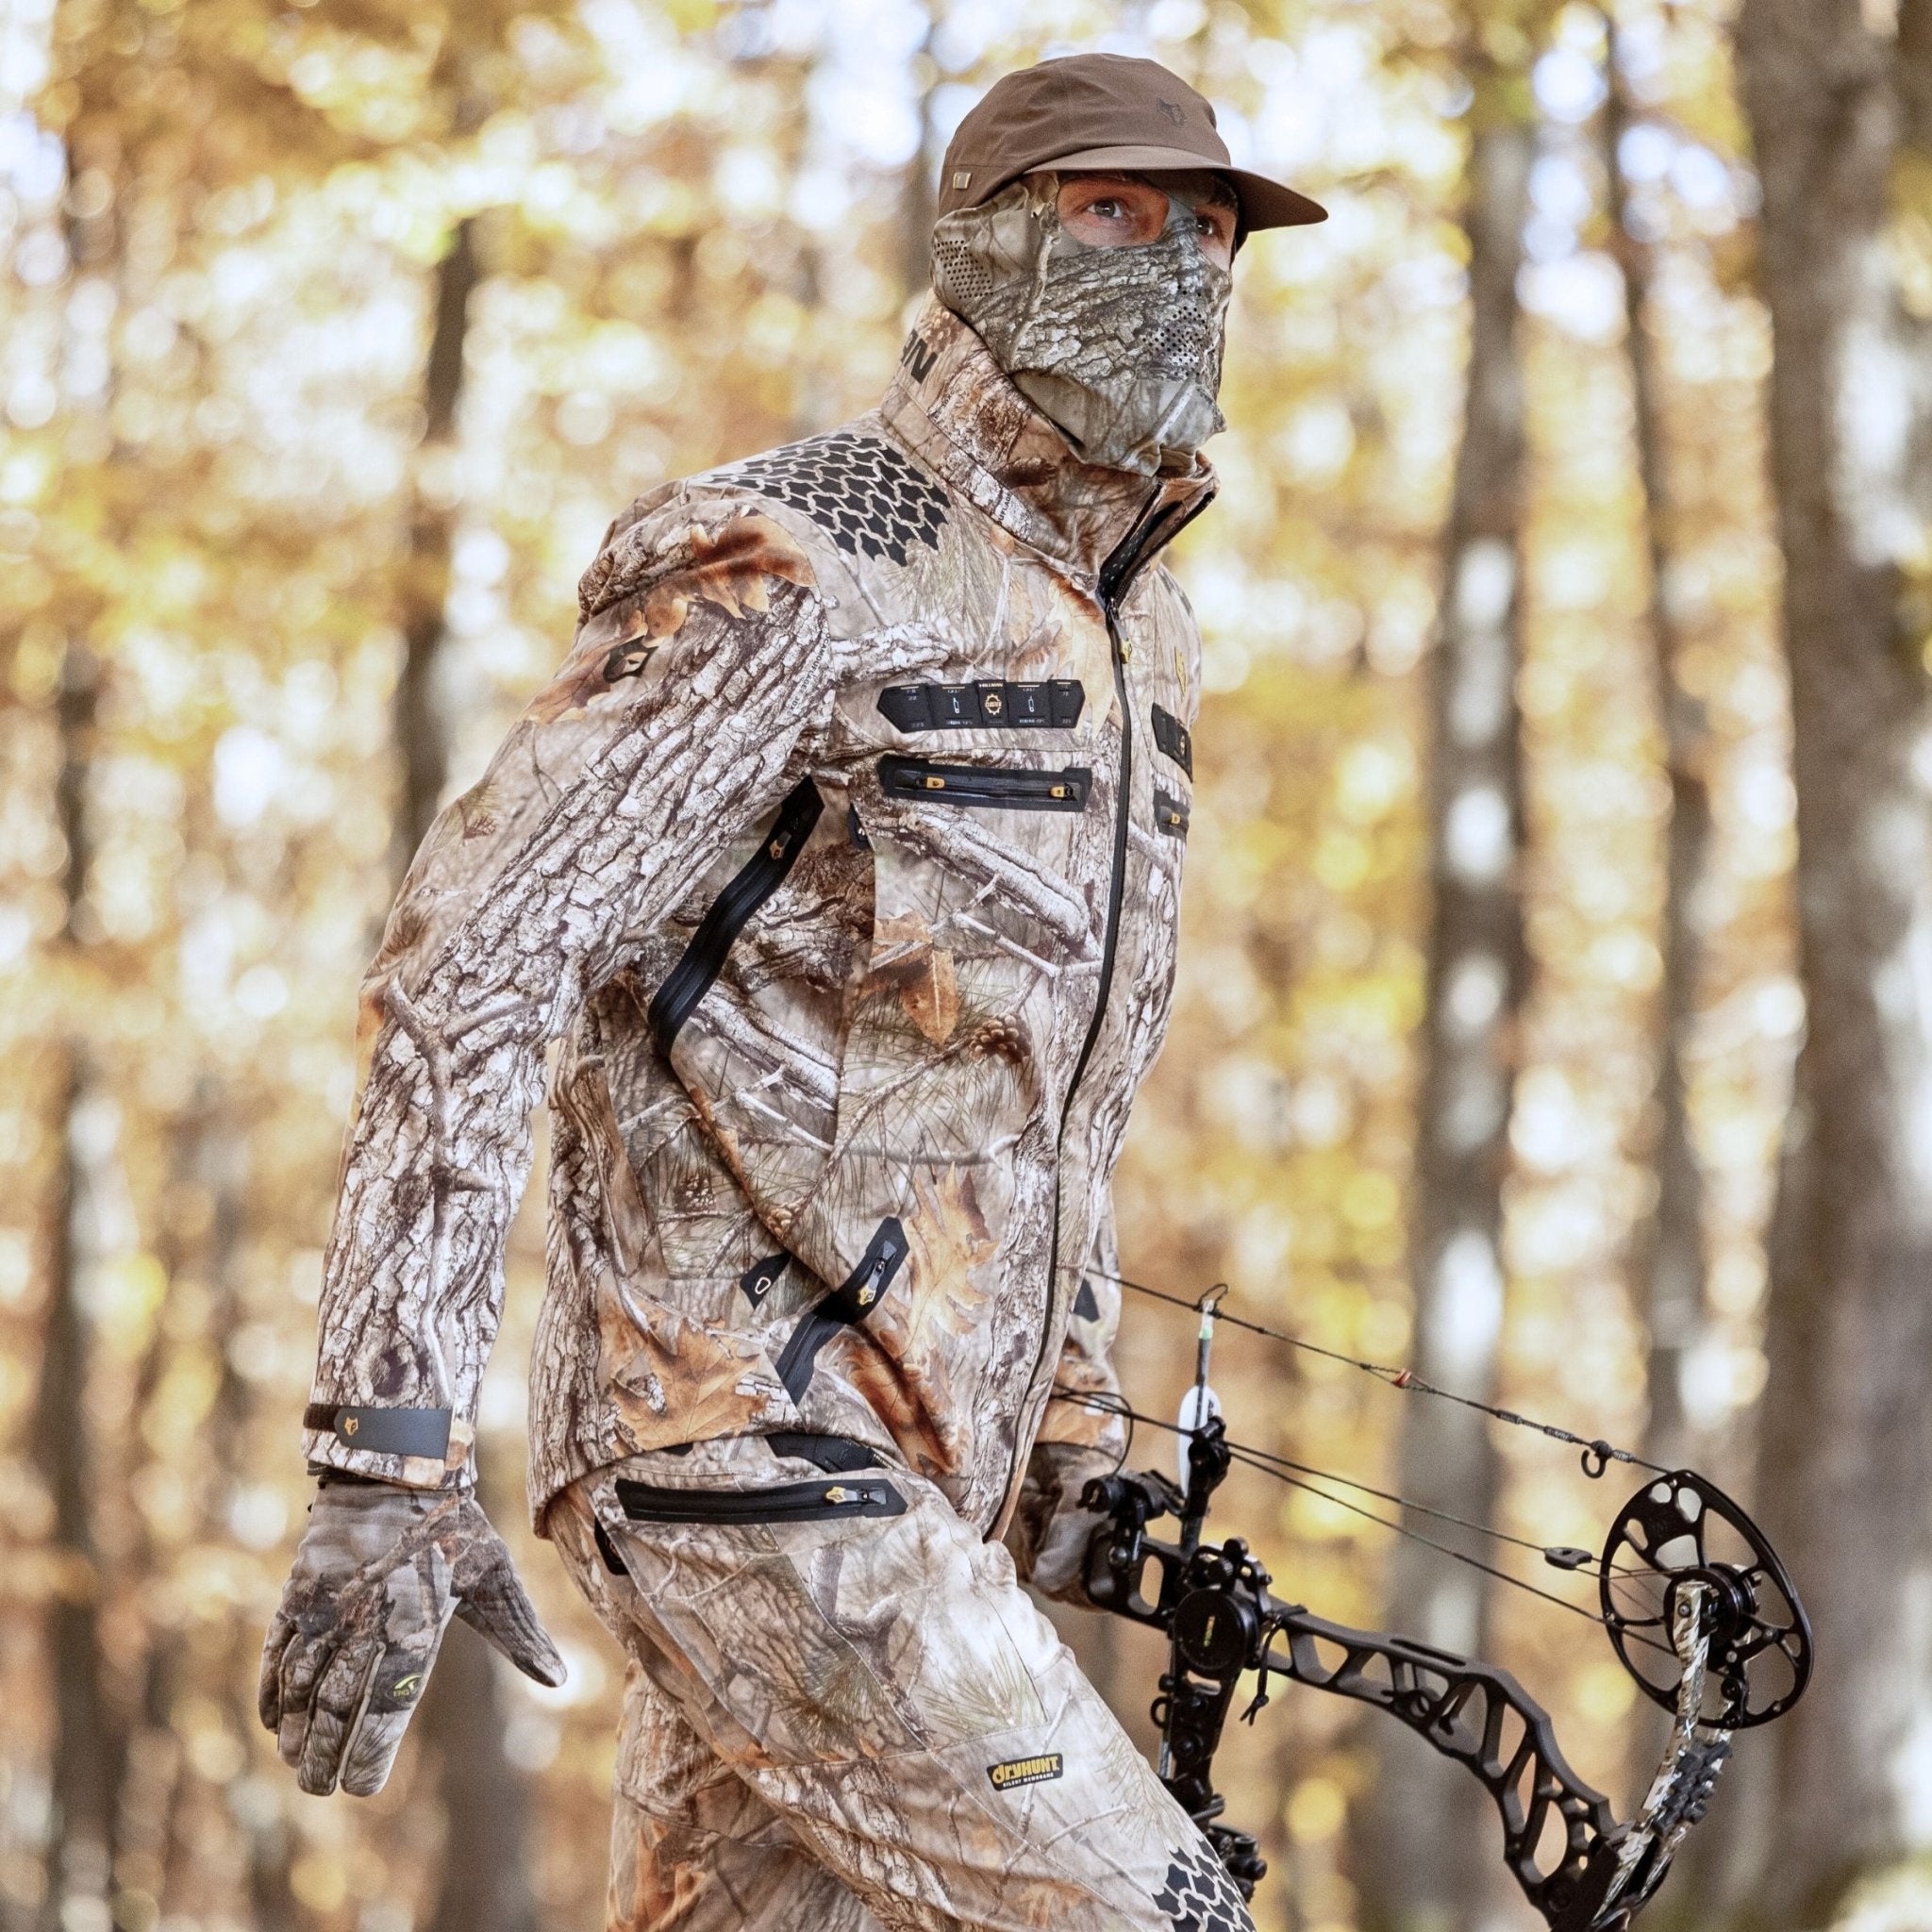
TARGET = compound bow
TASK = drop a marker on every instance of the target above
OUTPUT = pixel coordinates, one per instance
(1698, 1605)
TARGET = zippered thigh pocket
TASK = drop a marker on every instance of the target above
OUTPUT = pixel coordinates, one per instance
(812, 1501)
(1002, 787)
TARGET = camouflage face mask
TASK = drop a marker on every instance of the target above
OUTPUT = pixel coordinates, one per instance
(1121, 348)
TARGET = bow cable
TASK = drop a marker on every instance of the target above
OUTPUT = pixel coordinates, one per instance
(1597, 1450)
(1104, 1403)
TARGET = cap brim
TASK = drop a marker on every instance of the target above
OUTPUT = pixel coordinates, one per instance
(1265, 204)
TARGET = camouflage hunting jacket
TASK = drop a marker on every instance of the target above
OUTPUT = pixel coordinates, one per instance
(843, 858)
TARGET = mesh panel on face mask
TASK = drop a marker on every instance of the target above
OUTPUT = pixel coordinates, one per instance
(1119, 346)
(1185, 342)
(958, 269)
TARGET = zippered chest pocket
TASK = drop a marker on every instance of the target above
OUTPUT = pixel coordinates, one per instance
(812, 1501)
(996, 788)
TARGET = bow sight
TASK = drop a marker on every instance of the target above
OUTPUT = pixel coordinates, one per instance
(1695, 1602)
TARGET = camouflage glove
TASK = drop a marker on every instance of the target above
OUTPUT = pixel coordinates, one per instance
(1051, 1533)
(375, 1578)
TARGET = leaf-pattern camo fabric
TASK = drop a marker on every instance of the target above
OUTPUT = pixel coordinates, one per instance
(872, 1703)
(888, 998)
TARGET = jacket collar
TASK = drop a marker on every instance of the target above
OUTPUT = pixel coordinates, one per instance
(954, 408)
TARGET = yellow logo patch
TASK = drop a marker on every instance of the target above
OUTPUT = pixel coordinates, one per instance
(1025, 1771)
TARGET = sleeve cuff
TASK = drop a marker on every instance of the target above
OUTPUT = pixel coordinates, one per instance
(423, 1448)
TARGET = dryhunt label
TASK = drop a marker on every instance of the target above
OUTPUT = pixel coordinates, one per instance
(1024, 1770)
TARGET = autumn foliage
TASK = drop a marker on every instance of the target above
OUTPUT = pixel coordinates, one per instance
(332, 336)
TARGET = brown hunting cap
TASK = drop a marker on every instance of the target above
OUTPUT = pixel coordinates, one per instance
(1102, 110)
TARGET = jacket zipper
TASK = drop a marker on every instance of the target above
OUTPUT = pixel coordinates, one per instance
(1117, 574)
(981, 785)
(703, 959)
(811, 1502)
(845, 1307)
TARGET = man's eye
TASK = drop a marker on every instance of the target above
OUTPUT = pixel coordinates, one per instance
(1109, 209)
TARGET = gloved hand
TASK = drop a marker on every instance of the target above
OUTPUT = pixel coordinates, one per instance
(1051, 1532)
(376, 1576)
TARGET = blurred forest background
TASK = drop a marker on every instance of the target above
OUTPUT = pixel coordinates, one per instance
(1556, 1005)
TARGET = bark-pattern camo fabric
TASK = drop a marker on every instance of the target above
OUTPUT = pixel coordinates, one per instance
(882, 1053)
(1119, 346)
(873, 1702)
(1050, 1531)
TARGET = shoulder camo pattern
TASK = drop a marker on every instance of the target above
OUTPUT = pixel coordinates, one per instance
(867, 495)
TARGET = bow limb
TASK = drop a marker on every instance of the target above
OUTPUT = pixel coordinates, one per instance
(1481, 1717)
(1478, 1716)
(1693, 1757)
(1221, 1621)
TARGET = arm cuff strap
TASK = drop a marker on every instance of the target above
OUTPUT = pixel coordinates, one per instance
(384, 1431)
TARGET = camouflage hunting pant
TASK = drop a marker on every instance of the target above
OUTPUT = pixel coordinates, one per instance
(842, 1713)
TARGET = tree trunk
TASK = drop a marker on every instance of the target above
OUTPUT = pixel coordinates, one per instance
(164, 1808)
(83, 1773)
(486, 1800)
(918, 191)
(485, 1884)
(1668, 1251)
(1846, 1439)
(1433, 1833)
(421, 728)
(1667, 1246)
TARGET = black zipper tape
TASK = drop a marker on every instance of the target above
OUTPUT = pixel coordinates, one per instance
(759, 1280)
(1170, 814)
(988, 787)
(850, 1302)
(993, 703)
(1173, 738)
(703, 959)
(828, 1453)
(813, 1502)
(608, 1551)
